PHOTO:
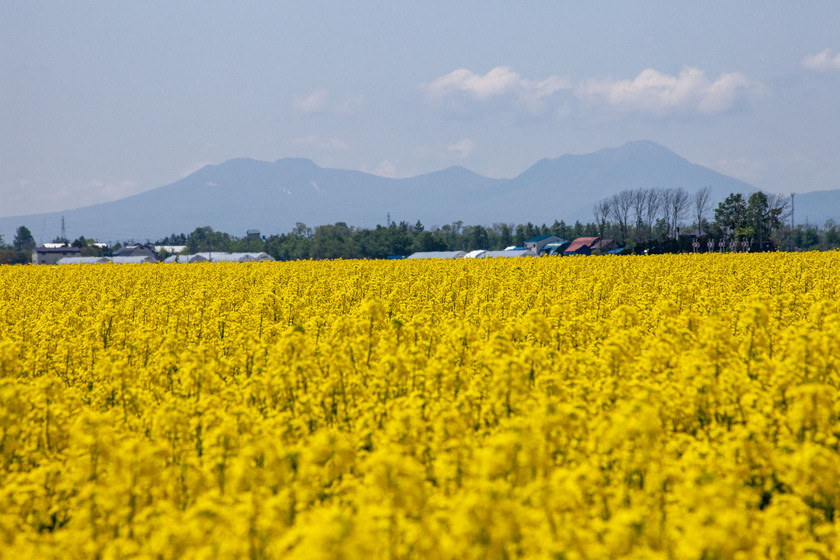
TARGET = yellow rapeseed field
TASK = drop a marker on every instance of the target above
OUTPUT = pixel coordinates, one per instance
(673, 407)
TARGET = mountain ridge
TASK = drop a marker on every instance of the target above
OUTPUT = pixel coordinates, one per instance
(244, 193)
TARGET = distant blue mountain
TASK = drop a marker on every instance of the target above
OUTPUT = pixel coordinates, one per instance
(817, 207)
(242, 194)
(579, 181)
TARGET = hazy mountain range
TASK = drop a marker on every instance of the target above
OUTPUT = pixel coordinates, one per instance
(243, 194)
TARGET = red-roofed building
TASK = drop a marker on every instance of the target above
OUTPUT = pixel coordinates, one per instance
(581, 246)
(604, 245)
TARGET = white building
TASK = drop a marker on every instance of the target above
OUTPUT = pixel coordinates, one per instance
(438, 255)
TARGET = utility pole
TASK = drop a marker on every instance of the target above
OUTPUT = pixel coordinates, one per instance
(792, 222)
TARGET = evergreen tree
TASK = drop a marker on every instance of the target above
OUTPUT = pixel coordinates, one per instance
(731, 214)
(24, 242)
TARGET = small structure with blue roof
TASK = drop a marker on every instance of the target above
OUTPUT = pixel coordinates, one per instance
(535, 244)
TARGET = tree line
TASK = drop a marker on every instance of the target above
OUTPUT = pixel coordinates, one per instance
(640, 220)
(399, 239)
(649, 218)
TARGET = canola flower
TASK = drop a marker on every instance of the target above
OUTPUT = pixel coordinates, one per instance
(680, 406)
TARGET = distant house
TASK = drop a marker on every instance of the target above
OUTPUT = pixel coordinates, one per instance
(604, 246)
(535, 244)
(133, 260)
(581, 246)
(105, 260)
(135, 251)
(214, 256)
(82, 260)
(51, 255)
(555, 249)
(438, 255)
(508, 253)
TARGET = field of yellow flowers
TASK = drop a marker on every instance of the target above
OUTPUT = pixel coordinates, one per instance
(681, 406)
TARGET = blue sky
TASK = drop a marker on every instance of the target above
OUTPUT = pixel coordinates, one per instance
(100, 100)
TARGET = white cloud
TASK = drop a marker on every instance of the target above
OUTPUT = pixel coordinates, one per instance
(656, 93)
(499, 81)
(315, 141)
(463, 148)
(315, 102)
(821, 61)
(391, 169)
(320, 101)
(386, 168)
(652, 92)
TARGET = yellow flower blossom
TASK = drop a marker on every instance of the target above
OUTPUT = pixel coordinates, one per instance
(675, 406)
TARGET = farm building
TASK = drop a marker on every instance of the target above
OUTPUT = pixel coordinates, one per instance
(581, 246)
(135, 251)
(82, 260)
(536, 244)
(604, 246)
(133, 260)
(555, 249)
(438, 255)
(105, 260)
(51, 255)
(508, 253)
(215, 256)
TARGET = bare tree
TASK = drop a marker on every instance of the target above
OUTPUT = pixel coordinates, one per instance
(639, 196)
(666, 206)
(602, 214)
(780, 204)
(702, 203)
(653, 202)
(620, 206)
(675, 205)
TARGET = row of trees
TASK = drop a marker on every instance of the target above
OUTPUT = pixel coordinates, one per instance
(646, 217)
(641, 220)
(640, 211)
(340, 240)
(813, 238)
(20, 251)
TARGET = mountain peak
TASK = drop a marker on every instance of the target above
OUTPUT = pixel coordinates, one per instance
(242, 194)
(641, 149)
(299, 162)
(644, 144)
